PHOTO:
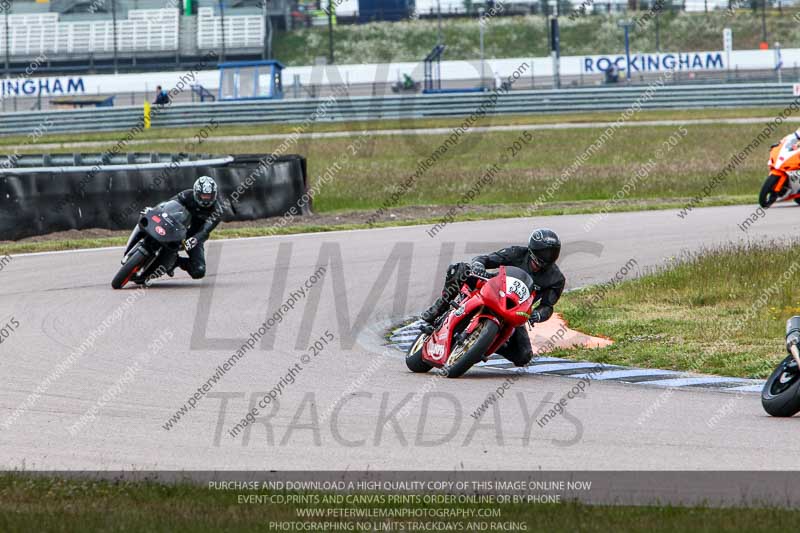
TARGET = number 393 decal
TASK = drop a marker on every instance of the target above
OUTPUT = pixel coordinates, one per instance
(518, 287)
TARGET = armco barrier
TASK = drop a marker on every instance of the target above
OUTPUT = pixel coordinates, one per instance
(36, 200)
(404, 107)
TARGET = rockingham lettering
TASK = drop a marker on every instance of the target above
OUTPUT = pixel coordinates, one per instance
(41, 86)
(656, 62)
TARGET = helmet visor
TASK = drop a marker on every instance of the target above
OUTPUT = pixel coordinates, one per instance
(546, 257)
(205, 198)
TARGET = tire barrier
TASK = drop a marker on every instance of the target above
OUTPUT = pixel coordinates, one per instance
(42, 194)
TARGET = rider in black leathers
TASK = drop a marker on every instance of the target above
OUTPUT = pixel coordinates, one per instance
(538, 260)
(202, 202)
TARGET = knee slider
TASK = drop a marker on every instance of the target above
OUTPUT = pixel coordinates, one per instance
(523, 359)
(198, 272)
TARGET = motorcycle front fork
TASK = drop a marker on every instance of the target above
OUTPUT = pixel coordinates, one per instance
(135, 236)
(795, 351)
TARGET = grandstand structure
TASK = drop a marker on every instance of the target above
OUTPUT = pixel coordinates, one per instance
(131, 34)
(135, 35)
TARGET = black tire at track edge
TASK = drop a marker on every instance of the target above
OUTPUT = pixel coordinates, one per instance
(785, 404)
(476, 353)
(136, 259)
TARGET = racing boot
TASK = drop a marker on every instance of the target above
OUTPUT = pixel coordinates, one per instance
(182, 263)
(429, 316)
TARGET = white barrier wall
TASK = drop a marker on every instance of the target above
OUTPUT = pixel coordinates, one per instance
(543, 66)
(391, 72)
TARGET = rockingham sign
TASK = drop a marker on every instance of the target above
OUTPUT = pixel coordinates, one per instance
(145, 82)
(714, 60)
(41, 86)
(656, 62)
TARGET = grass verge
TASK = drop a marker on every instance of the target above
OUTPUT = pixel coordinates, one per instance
(623, 167)
(721, 311)
(170, 134)
(29, 503)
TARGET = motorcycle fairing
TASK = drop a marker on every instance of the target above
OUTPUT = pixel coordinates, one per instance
(490, 300)
(438, 346)
(784, 162)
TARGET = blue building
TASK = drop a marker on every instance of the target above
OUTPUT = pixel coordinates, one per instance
(250, 80)
(372, 10)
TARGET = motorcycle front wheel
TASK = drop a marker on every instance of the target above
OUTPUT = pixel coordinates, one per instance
(470, 350)
(414, 360)
(781, 393)
(129, 269)
(768, 196)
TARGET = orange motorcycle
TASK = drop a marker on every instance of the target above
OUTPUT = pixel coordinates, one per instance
(783, 182)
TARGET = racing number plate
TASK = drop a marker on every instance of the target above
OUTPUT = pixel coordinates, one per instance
(517, 287)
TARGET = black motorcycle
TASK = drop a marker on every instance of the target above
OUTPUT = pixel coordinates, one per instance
(781, 393)
(154, 244)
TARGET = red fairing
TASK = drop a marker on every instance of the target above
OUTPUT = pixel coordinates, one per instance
(489, 301)
(437, 348)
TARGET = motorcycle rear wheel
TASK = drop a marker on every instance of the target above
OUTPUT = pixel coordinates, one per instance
(470, 350)
(781, 393)
(129, 269)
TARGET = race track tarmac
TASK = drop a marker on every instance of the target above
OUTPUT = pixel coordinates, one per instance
(91, 376)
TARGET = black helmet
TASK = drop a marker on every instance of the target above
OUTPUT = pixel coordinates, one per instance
(205, 191)
(544, 247)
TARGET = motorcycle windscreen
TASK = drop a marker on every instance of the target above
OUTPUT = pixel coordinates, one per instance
(521, 275)
(176, 211)
(789, 155)
(167, 222)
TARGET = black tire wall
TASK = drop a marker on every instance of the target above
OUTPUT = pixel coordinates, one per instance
(42, 202)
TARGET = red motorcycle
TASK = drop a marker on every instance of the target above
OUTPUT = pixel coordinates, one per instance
(482, 320)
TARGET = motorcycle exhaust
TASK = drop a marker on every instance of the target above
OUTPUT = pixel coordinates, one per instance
(793, 338)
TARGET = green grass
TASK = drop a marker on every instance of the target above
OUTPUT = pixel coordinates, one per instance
(701, 314)
(155, 133)
(29, 503)
(367, 179)
(526, 36)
